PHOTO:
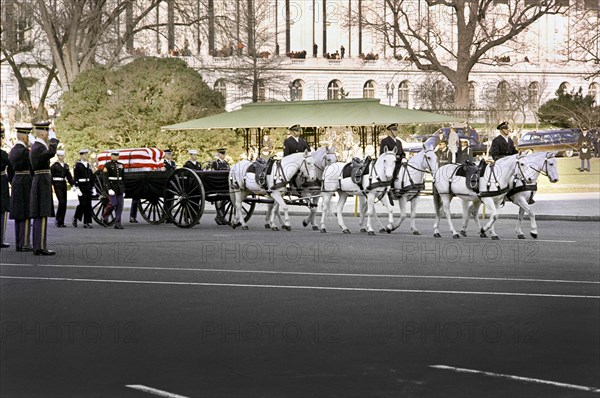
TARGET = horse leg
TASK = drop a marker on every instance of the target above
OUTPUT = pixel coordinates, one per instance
(437, 207)
(370, 210)
(491, 205)
(270, 208)
(276, 195)
(446, 200)
(402, 206)
(313, 213)
(413, 213)
(390, 227)
(239, 211)
(325, 209)
(342, 196)
(362, 212)
(466, 216)
(518, 230)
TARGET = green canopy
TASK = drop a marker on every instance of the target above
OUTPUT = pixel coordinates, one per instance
(348, 112)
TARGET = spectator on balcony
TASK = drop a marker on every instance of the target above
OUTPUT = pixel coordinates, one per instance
(342, 51)
(315, 50)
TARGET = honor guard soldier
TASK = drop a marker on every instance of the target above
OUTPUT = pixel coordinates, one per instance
(220, 163)
(61, 175)
(193, 162)
(502, 145)
(21, 189)
(83, 178)
(5, 171)
(392, 141)
(294, 143)
(168, 160)
(113, 180)
(42, 204)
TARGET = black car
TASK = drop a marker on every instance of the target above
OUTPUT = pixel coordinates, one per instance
(562, 141)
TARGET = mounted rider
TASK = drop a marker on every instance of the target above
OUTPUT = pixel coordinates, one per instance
(503, 145)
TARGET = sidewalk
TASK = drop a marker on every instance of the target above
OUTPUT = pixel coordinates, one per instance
(558, 207)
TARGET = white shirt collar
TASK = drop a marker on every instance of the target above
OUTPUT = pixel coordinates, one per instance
(41, 142)
(84, 162)
(19, 142)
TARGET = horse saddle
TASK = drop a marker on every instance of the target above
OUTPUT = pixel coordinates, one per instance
(356, 169)
(472, 172)
(261, 168)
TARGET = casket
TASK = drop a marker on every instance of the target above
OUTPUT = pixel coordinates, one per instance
(135, 159)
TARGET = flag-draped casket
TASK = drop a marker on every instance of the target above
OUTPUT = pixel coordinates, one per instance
(135, 159)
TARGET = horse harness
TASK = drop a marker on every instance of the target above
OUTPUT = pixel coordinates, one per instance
(527, 187)
(473, 183)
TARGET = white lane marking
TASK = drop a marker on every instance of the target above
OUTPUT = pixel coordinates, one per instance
(243, 271)
(354, 289)
(154, 391)
(527, 379)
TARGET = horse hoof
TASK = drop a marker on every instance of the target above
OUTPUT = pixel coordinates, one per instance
(267, 226)
(495, 237)
(371, 233)
(463, 233)
(323, 231)
(437, 235)
(382, 230)
(245, 228)
(274, 229)
(363, 230)
(534, 236)
(521, 236)
(456, 236)
(346, 231)
(417, 233)
(233, 226)
(286, 227)
(389, 231)
(315, 228)
(304, 224)
(482, 235)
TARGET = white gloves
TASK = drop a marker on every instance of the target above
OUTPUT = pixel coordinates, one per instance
(31, 139)
(111, 192)
(51, 134)
(93, 191)
(78, 191)
(74, 189)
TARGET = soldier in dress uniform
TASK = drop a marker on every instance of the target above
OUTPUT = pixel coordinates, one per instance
(220, 163)
(113, 179)
(168, 160)
(41, 202)
(392, 141)
(61, 175)
(5, 171)
(464, 153)
(503, 145)
(193, 162)
(294, 143)
(442, 153)
(21, 189)
(584, 146)
(83, 178)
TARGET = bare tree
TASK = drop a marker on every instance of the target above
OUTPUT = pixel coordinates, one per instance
(435, 93)
(584, 43)
(466, 35)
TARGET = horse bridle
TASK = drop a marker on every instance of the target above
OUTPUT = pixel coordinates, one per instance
(426, 160)
(545, 165)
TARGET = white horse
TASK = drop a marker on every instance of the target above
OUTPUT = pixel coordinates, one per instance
(407, 185)
(523, 186)
(375, 182)
(242, 183)
(493, 186)
(310, 190)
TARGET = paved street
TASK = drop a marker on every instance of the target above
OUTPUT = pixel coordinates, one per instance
(216, 312)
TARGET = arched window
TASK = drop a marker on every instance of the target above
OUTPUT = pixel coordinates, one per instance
(369, 89)
(472, 102)
(564, 87)
(296, 90)
(262, 91)
(221, 87)
(502, 95)
(533, 93)
(403, 94)
(334, 89)
(593, 92)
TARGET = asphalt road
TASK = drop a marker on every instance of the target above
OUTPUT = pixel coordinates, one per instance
(216, 312)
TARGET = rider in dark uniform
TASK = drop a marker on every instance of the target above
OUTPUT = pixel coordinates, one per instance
(83, 178)
(392, 141)
(193, 162)
(41, 202)
(21, 189)
(294, 143)
(5, 172)
(220, 163)
(61, 175)
(503, 145)
(168, 160)
(113, 180)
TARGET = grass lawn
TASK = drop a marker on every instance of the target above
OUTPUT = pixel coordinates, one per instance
(571, 180)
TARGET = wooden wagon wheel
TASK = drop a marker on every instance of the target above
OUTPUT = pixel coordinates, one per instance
(101, 202)
(225, 210)
(153, 210)
(186, 198)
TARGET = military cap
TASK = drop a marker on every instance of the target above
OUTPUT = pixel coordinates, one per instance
(464, 141)
(60, 153)
(168, 151)
(222, 150)
(193, 152)
(82, 151)
(503, 126)
(23, 129)
(295, 127)
(393, 126)
(42, 125)
(114, 153)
